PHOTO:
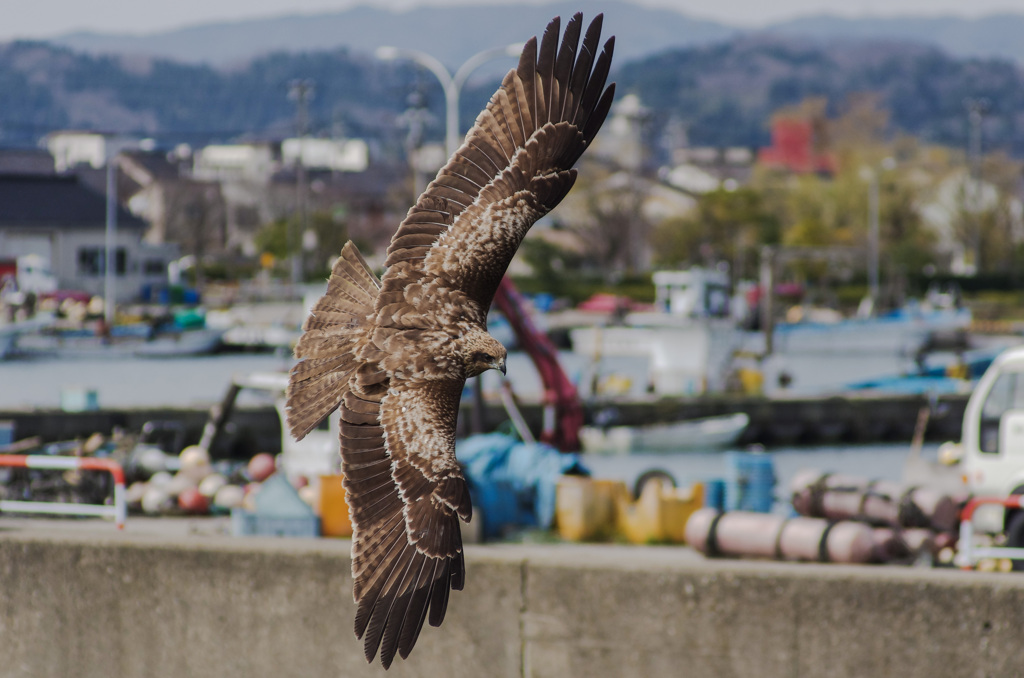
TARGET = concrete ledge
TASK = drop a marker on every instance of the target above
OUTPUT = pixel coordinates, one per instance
(86, 601)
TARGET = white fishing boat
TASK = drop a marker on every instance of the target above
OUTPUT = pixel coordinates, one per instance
(688, 341)
(689, 435)
(902, 332)
(201, 341)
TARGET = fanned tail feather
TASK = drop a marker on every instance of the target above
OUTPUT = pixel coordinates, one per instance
(319, 381)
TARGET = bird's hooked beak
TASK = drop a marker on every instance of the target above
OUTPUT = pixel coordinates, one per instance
(500, 366)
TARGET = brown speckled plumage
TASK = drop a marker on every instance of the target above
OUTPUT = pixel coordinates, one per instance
(394, 353)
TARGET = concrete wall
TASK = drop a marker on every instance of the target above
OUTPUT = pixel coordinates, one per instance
(89, 603)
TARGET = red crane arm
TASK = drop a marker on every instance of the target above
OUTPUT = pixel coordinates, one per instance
(563, 412)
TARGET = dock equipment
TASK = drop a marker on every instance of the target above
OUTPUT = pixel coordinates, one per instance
(968, 554)
(119, 511)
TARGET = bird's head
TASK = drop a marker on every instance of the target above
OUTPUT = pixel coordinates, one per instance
(482, 352)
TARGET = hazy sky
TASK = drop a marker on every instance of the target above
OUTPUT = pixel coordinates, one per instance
(42, 18)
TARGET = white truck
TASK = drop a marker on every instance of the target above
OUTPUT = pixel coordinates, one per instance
(28, 273)
(992, 445)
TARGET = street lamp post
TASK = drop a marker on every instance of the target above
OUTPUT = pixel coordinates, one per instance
(871, 175)
(110, 243)
(451, 84)
(873, 238)
(301, 91)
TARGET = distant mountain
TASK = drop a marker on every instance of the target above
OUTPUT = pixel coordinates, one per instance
(721, 94)
(996, 35)
(725, 94)
(454, 33)
(451, 34)
(43, 88)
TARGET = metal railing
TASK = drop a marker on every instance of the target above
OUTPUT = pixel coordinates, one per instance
(968, 554)
(119, 511)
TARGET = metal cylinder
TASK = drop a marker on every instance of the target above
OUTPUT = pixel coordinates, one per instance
(880, 502)
(742, 534)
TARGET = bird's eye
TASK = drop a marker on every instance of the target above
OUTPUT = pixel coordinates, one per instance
(481, 357)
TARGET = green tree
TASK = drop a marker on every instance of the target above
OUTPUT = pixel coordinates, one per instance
(727, 226)
(330, 233)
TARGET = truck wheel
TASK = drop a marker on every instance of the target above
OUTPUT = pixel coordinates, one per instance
(1015, 535)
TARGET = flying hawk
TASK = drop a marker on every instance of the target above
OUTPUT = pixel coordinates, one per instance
(394, 353)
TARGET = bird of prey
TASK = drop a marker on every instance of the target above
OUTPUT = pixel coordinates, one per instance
(394, 353)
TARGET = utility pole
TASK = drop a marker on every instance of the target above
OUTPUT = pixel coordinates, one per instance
(415, 119)
(976, 109)
(767, 282)
(301, 92)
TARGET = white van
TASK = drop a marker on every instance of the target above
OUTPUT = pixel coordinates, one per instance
(992, 444)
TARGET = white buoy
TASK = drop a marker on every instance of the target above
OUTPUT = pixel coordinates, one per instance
(229, 496)
(209, 486)
(195, 463)
(160, 479)
(156, 500)
(179, 483)
(133, 495)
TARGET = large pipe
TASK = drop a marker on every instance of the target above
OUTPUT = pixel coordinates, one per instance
(880, 502)
(903, 546)
(739, 534)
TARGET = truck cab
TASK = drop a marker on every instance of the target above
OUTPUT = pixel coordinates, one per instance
(992, 444)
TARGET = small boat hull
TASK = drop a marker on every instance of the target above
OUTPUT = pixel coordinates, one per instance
(689, 435)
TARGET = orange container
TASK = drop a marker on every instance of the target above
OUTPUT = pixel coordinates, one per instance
(332, 508)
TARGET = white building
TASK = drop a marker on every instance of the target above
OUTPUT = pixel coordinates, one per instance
(72, 148)
(252, 163)
(63, 222)
(345, 155)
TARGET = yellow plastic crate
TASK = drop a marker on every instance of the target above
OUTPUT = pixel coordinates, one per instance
(585, 508)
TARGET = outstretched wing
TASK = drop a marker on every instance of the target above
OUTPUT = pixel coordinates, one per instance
(513, 168)
(406, 495)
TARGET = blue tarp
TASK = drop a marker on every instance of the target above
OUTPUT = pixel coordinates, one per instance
(512, 483)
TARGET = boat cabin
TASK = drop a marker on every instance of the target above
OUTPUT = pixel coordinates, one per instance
(694, 293)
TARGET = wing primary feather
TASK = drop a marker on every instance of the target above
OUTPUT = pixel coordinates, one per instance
(419, 605)
(595, 86)
(564, 63)
(386, 602)
(524, 109)
(367, 593)
(584, 62)
(458, 576)
(398, 611)
(527, 70)
(596, 118)
(405, 612)
(546, 67)
(439, 596)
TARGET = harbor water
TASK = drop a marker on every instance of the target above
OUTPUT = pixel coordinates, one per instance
(128, 382)
(202, 381)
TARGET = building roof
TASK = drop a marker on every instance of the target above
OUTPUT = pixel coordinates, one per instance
(60, 201)
(154, 163)
(25, 161)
